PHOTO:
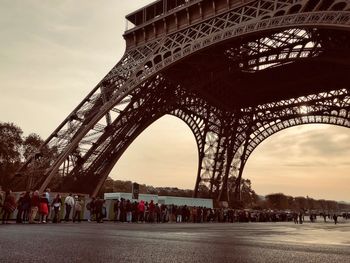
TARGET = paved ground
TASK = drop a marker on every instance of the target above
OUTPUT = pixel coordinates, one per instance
(109, 242)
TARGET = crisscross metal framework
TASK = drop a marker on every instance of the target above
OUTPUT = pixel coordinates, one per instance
(240, 73)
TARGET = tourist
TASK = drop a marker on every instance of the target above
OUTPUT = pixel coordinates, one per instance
(157, 213)
(122, 217)
(178, 214)
(128, 209)
(335, 218)
(164, 213)
(116, 210)
(135, 212)
(99, 210)
(324, 217)
(34, 206)
(47, 195)
(295, 218)
(141, 211)
(69, 203)
(56, 205)
(146, 218)
(9, 206)
(43, 208)
(151, 211)
(26, 207)
(20, 202)
(2, 197)
(78, 207)
(300, 217)
(194, 214)
(91, 208)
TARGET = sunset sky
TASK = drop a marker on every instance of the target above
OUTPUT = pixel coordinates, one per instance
(52, 53)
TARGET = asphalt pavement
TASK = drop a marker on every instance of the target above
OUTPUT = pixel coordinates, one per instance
(215, 242)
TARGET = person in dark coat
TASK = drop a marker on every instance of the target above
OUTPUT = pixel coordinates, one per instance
(99, 210)
(26, 207)
(56, 204)
(9, 206)
(335, 218)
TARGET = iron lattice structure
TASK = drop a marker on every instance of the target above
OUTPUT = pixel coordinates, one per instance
(235, 71)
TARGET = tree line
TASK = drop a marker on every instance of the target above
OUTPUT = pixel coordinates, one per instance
(14, 150)
(279, 201)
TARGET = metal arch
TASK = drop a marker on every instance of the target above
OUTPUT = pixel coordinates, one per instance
(326, 19)
(193, 122)
(136, 132)
(143, 55)
(119, 72)
(138, 65)
(182, 109)
(246, 149)
(293, 122)
(325, 108)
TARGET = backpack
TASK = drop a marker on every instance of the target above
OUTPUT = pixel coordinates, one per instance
(88, 206)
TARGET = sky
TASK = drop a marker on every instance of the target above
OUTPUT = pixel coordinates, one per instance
(52, 53)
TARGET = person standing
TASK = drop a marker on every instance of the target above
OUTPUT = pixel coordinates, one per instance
(2, 197)
(151, 210)
(300, 217)
(116, 210)
(56, 204)
(128, 208)
(122, 216)
(20, 203)
(78, 207)
(335, 218)
(47, 195)
(34, 206)
(99, 210)
(69, 203)
(9, 206)
(295, 217)
(43, 208)
(141, 211)
(26, 207)
(91, 206)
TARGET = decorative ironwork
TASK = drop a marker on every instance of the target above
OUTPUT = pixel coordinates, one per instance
(242, 72)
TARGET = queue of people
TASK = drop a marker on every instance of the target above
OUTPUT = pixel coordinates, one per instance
(34, 208)
(150, 212)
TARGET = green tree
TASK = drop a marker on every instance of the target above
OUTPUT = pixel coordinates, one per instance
(248, 197)
(10, 150)
(277, 201)
(300, 202)
(31, 144)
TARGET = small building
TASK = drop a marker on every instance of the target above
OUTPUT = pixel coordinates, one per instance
(126, 196)
(166, 200)
(180, 201)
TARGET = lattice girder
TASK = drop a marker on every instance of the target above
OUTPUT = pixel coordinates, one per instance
(331, 107)
(114, 100)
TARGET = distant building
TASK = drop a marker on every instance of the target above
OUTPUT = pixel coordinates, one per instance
(144, 197)
(175, 200)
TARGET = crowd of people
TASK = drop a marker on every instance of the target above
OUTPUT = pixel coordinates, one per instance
(134, 212)
(33, 207)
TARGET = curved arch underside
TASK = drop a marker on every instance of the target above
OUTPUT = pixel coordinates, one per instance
(235, 78)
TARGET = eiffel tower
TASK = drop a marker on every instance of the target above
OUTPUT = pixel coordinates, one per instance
(235, 71)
